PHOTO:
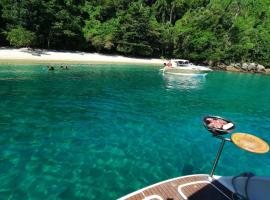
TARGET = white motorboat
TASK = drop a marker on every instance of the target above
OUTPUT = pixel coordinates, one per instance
(246, 186)
(184, 67)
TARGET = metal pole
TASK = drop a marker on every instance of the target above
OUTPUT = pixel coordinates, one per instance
(217, 156)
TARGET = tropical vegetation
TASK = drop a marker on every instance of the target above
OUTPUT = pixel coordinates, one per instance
(201, 30)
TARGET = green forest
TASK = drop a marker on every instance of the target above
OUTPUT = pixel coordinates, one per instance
(213, 31)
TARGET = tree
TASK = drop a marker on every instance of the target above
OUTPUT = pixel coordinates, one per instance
(102, 36)
(135, 31)
(194, 37)
(202, 30)
(63, 24)
(224, 31)
(20, 37)
(2, 26)
(57, 24)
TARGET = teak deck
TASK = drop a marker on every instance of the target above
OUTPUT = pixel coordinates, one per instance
(194, 187)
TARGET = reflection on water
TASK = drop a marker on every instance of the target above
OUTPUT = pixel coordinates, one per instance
(183, 82)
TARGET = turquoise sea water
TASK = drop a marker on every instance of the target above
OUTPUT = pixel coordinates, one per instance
(102, 131)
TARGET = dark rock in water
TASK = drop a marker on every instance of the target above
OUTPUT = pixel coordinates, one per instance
(245, 67)
(242, 67)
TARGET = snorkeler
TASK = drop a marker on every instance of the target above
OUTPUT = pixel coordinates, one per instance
(50, 68)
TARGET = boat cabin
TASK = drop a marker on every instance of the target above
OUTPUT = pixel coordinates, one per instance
(180, 63)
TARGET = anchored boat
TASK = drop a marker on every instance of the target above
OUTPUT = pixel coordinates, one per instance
(246, 186)
(184, 67)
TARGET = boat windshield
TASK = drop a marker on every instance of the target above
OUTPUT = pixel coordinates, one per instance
(182, 63)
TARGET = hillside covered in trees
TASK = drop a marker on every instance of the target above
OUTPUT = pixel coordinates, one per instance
(200, 30)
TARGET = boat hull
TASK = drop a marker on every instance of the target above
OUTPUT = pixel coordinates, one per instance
(185, 71)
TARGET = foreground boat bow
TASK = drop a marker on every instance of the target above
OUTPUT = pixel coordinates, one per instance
(211, 187)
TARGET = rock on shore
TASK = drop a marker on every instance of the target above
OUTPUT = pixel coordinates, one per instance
(244, 67)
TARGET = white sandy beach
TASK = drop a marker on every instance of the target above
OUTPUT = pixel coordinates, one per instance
(9, 55)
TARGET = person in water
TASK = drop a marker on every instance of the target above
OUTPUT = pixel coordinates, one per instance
(50, 68)
(169, 64)
(62, 67)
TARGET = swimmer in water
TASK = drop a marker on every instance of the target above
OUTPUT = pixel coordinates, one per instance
(50, 68)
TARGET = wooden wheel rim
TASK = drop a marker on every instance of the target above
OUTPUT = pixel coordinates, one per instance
(250, 143)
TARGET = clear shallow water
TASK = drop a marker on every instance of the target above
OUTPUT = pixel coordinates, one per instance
(103, 131)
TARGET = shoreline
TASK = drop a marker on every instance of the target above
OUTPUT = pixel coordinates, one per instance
(40, 56)
(22, 56)
(64, 62)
